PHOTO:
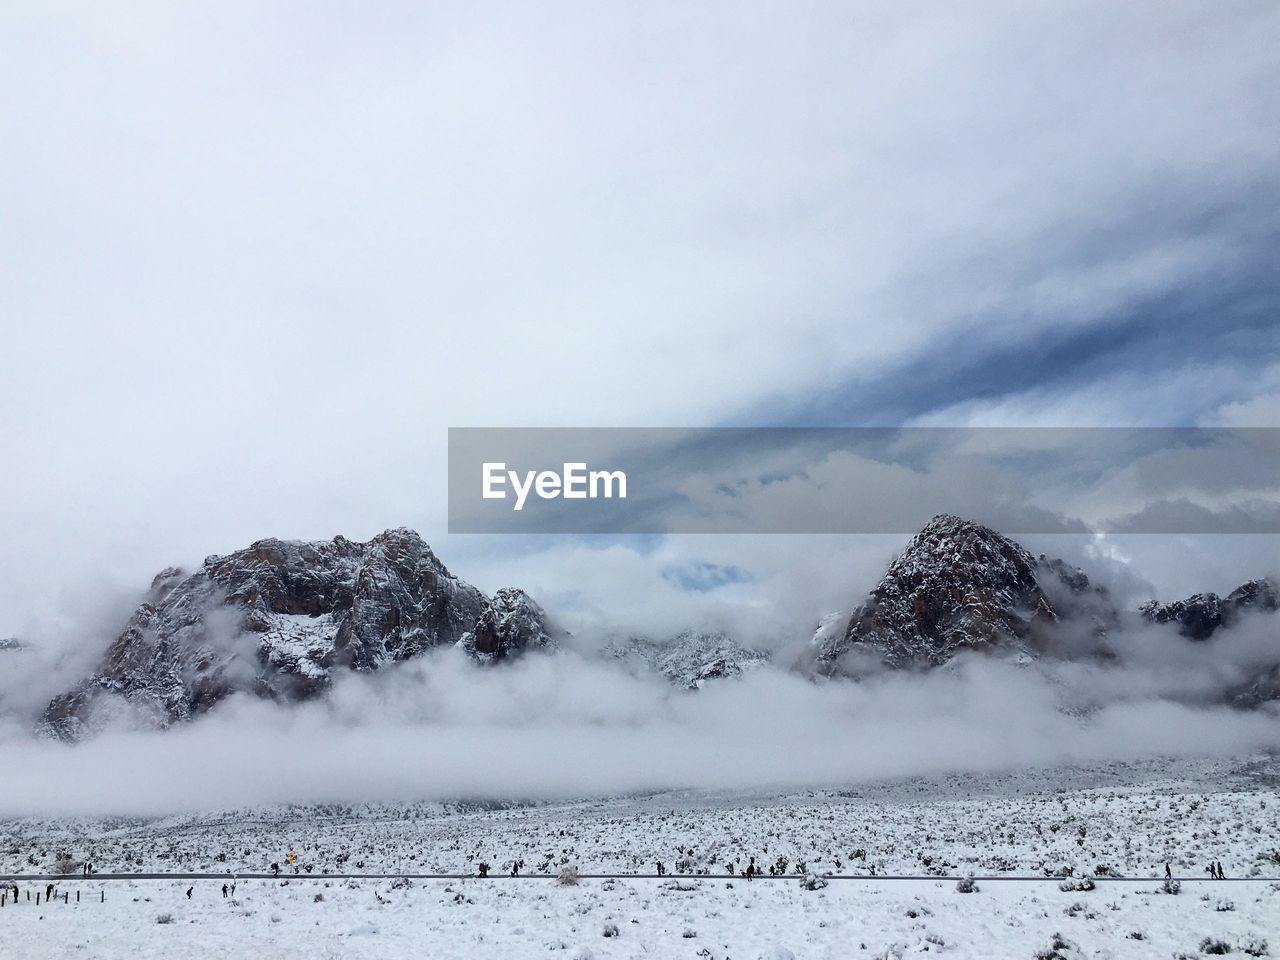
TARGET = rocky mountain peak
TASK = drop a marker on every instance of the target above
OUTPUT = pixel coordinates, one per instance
(274, 619)
(511, 624)
(688, 659)
(957, 586)
(1199, 616)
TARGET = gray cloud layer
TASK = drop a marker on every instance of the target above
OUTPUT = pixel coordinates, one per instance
(566, 727)
(260, 256)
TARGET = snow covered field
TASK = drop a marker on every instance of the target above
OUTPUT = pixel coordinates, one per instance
(691, 919)
(1122, 821)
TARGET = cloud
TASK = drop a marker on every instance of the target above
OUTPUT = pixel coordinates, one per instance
(260, 259)
(568, 727)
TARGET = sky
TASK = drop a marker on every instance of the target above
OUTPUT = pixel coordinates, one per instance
(257, 258)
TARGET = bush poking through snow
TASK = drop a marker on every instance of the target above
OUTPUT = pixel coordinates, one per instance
(966, 885)
(610, 930)
(1060, 948)
(1077, 885)
(165, 918)
(568, 876)
(1253, 946)
(811, 881)
(1214, 947)
(1171, 886)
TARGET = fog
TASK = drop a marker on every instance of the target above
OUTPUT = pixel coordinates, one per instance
(567, 726)
(575, 724)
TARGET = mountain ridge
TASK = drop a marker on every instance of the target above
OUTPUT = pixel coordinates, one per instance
(281, 618)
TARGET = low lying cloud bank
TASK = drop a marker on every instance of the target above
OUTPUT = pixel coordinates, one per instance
(567, 726)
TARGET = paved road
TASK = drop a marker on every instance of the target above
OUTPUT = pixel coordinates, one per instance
(58, 878)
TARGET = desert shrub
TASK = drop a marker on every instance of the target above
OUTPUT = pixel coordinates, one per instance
(568, 876)
(1224, 906)
(1214, 947)
(1077, 884)
(966, 885)
(610, 929)
(811, 881)
(1253, 946)
(1060, 948)
(1171, 886)
(165, 918)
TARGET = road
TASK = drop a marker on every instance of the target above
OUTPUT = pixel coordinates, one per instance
(60, 878)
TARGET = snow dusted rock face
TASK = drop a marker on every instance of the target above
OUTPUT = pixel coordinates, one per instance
(1201, 616)
(510, 624)
(1198, 617)
(274, 619)
(689, 659)
(962, 586)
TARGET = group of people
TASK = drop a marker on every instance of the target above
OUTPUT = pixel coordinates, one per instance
(1214, 870)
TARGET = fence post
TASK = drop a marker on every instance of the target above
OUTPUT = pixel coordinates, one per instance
(104, 897)
(77, 896)
(65, 897)
(37, 899)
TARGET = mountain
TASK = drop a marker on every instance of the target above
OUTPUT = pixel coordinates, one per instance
(1199, 616)
(688, 659)
(278, 619)
(510, 624)
(961, 586)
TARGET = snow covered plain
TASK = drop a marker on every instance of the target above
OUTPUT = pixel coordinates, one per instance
(1126, 820)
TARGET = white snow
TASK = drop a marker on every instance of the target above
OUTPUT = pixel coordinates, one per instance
(1017, 833)
(700, 919)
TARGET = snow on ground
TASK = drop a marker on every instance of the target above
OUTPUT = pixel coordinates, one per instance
(705, 918)
(1126, 820)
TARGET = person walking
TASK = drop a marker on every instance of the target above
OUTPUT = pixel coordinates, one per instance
(224, 891)
(1168, 871)
(189, 891)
